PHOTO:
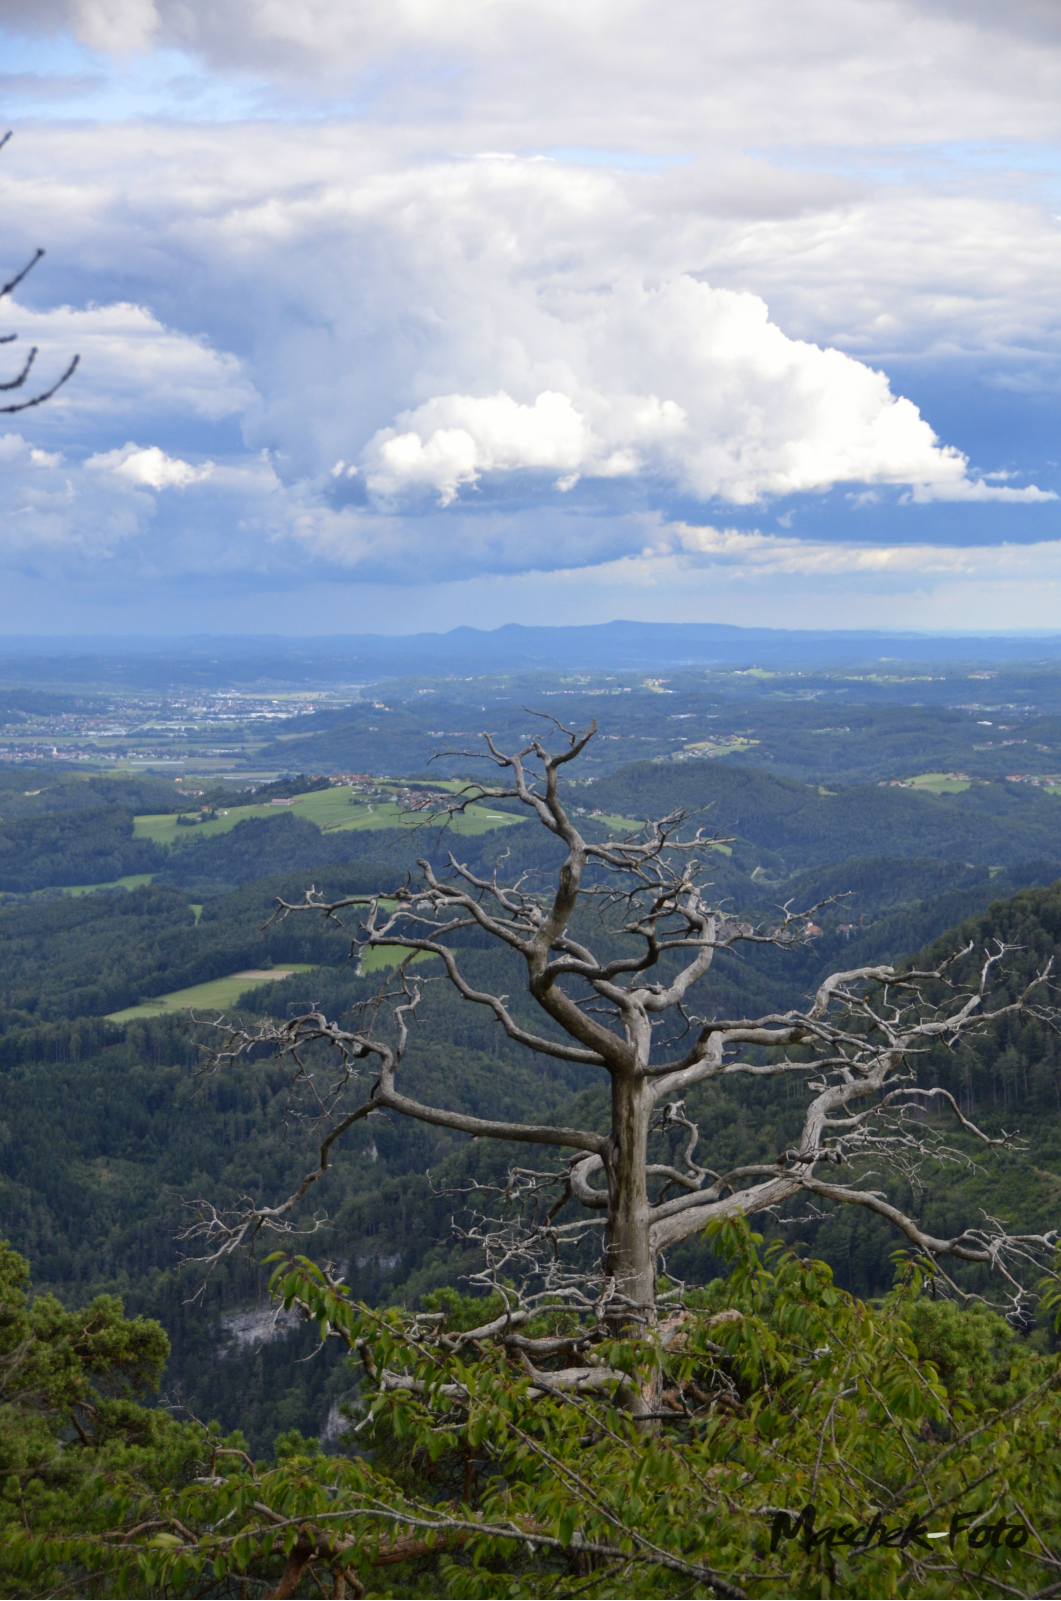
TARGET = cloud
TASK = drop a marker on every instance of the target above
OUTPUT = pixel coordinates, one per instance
(116, 25)
(150, 467)
(747, 412)
(646, 74)
(433, 324)
(773, 555)
(454, 439)
(53, 515)
(556, 343)
(119, 26)
(136, 509)
(130, 360)
(979, 489)
(941, 273)
(757, 581)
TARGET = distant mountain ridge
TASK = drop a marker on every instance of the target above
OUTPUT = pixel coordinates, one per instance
(618, 645)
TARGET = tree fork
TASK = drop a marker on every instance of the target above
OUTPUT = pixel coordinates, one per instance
(854, 1045)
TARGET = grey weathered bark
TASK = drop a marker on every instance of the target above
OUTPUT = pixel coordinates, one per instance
(854, 1043)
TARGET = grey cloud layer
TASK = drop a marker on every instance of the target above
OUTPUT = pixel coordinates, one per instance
(652, 71)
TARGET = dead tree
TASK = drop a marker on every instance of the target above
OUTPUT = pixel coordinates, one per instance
(20, 378)
(627, 1012)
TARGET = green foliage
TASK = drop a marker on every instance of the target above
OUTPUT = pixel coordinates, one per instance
(290, 784)
(78, 1452)
(975, 1352)
(474, 1478)
(817, 726)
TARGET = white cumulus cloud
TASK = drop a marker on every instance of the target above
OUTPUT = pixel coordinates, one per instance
(731, 408)
(150, 467)
(455, 438)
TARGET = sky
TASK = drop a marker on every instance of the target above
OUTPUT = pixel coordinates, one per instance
(402, 316)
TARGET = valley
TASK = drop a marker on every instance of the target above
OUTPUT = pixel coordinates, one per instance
(135, 909)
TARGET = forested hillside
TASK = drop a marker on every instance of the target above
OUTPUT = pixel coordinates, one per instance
(136, 912)
(109, 1136)
(804, 826)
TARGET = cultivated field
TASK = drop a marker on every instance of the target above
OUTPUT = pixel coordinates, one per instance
(130, 881)
(330, 809)
(216, 993)
(939, 783)
(224, 993)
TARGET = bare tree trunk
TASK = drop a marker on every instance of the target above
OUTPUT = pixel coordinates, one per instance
(629, 1259)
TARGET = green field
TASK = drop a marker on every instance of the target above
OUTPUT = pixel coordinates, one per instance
(223, 993)
(130, 881)
(329, 809)
(217, 993)
(719, 747)
(388, 956)
(617, 825)
(939, 783)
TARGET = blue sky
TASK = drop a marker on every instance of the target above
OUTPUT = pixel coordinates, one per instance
(468, 311)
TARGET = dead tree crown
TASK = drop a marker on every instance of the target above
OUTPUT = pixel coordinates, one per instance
(855, 1047)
